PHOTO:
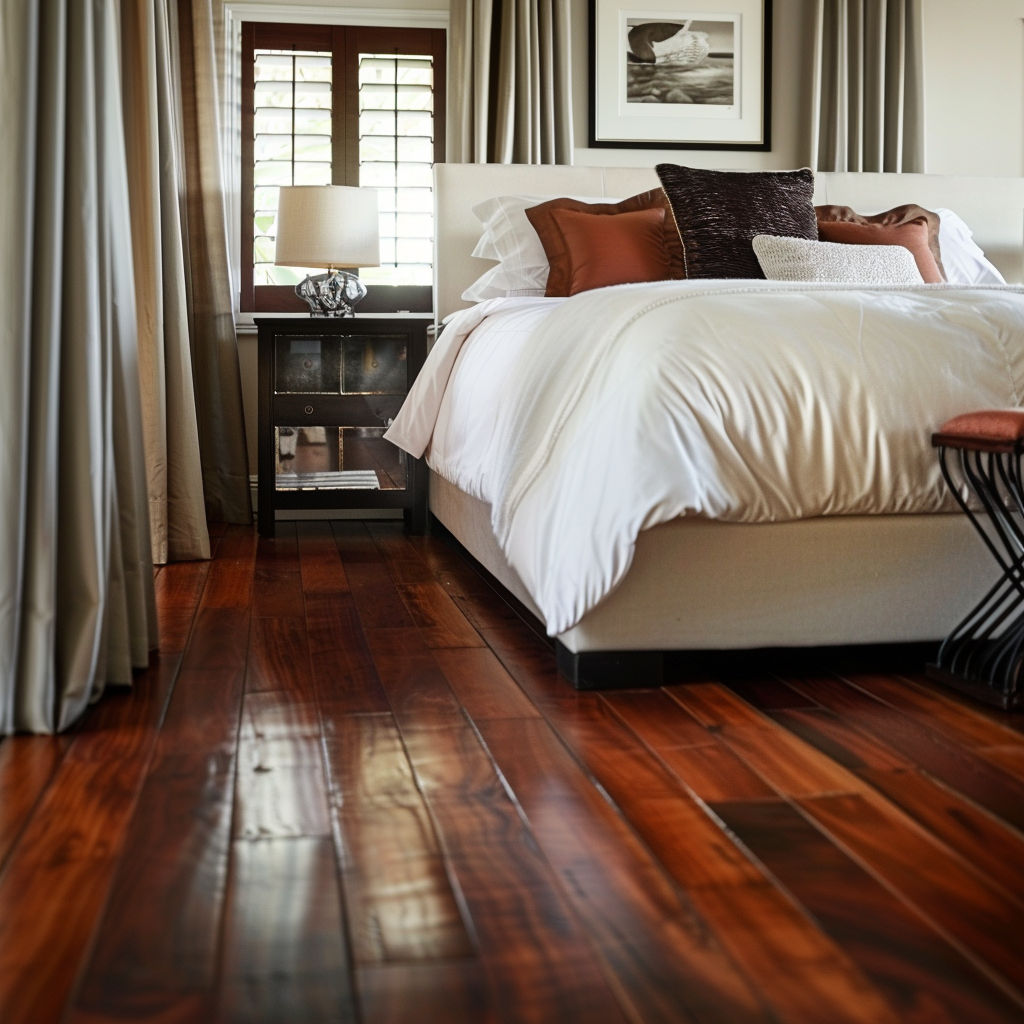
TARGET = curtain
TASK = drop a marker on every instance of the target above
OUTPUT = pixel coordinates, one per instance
(209, 287)
(174, 472)
(509, 82)
(869, 102)
(77, 606)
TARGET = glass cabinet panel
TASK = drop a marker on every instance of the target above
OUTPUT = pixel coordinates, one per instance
(338, 458)
(307, 364)
(375, 365)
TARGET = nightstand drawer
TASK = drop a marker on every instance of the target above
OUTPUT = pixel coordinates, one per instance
(357, 364)
(337, 410)
(318, 458)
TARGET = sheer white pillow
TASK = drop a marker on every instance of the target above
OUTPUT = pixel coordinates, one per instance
(800, 259)
(962, 257)
(508, 237)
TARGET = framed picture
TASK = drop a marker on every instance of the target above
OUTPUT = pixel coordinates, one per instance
(664, 75)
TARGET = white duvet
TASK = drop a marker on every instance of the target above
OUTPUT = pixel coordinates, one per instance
(583, 421)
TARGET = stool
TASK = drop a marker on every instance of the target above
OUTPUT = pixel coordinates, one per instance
(982, 655)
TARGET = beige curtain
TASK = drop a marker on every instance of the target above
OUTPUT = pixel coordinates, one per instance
(209, 286)
(76, 583)
(869, 102)
(509, 82)
(176, 509)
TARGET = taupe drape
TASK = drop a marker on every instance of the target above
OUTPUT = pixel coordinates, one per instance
(869, 102)
(509, 82)
(216, 375)
(174, 473)
(76, 582)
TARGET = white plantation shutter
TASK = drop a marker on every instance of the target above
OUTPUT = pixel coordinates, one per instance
(396, 154)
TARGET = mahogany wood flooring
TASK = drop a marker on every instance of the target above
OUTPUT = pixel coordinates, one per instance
(353, 788)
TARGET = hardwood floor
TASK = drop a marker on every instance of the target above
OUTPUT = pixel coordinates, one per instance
(352, 787)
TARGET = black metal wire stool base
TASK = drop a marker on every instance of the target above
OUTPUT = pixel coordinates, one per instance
(982, 656)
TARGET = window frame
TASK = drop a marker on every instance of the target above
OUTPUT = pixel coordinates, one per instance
(345, 43)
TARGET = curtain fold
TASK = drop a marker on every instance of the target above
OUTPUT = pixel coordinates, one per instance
(209, 287)
(869, 96)
(77, 606)
(509, 82)
(174, 470)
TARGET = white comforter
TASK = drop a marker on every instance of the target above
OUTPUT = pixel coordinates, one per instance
(586, 420)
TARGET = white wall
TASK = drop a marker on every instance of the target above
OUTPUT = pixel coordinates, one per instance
(974, 86)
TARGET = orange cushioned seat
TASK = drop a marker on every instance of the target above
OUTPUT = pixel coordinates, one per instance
(986, 430)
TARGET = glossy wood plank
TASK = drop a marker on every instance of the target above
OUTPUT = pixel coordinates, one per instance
(354, 543)
(995, 790)
(767, 693)
(27, 764)
(417, 689)
(57, 877)
(665, 962)
(285, 958)
(786, 762)
(443, 992)
(941, 886)
(1012, 720)
(279, 656)
(155, 954)
(1010, 759)
(403, 560)
(922, 976)
(400, 903)
(482, 684)
(981, 839)
(838, 740)
(280, 789)
(319, 559)
(960, 725)
(178, 589)
(947, 890)
(984, 842)
(537, 958)
(662, 722)
(379, 604)
(438, 617)
(277, 582)
(229, 579)
(763, 931)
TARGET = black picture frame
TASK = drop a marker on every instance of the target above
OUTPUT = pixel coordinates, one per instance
(763, 146)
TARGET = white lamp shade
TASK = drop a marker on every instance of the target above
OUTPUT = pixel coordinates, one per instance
(327, 226)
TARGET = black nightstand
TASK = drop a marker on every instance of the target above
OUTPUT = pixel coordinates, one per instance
(329, 388)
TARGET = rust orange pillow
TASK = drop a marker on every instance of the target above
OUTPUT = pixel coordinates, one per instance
(669, 249)
(834, 221)
(625, 248)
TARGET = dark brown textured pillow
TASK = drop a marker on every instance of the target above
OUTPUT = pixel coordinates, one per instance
(625, 248)
(556, 249)
(891, 218)
(717, 214)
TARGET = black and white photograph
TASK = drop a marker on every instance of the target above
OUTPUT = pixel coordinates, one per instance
(665, 74)
(680, 60)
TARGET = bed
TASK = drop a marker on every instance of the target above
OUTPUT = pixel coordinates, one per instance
(700, 583)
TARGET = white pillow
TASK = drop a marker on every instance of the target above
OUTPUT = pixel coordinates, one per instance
(508, 236)
(800, 259)
(962, 258)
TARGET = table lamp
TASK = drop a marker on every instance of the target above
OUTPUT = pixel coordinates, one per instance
(331, 226)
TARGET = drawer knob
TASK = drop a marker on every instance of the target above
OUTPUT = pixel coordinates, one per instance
(309, 410)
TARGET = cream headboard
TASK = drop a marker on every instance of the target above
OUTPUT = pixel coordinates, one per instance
(993, 207)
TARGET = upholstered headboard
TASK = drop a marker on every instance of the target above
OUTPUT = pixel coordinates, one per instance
(993, 207)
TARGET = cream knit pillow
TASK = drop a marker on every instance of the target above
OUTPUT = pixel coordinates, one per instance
(799, 259)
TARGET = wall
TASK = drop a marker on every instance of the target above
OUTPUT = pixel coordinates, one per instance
(792, 67)
(974, 86)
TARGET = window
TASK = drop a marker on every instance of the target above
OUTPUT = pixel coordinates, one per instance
(342, 105)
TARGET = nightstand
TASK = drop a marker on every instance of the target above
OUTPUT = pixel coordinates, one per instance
(329, 388)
